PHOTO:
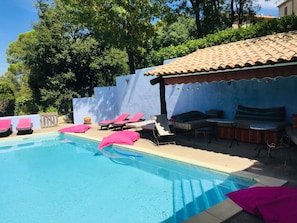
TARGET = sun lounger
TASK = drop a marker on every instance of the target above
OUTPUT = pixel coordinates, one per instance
(5, 126)
(162, 132)
(24, 126)
(141, 124)
(135, 118)
(107, 123)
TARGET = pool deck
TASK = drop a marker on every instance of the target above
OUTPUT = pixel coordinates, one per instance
(239, 159)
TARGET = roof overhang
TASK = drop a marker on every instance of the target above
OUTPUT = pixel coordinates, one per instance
(246, 73)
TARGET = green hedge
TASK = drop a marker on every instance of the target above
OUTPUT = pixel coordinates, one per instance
(279, 25)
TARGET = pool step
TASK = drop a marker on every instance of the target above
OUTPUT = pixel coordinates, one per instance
(194, 196)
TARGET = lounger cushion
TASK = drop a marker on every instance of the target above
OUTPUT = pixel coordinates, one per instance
(5, 125)
(190, 125)
(260, 114)
(189, 120)
(189, 116)
(273, 204)
(24, 124)
(121, 137)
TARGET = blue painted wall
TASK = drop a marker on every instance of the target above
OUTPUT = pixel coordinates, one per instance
(102, 106)
(134, 93)
(262, 93)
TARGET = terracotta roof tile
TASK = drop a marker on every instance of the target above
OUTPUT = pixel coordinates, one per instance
(272, 49)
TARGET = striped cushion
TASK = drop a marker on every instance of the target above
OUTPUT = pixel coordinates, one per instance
(248, 135)
(260, 114)
(294, 120)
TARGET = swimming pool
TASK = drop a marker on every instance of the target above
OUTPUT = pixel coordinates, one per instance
(62, 178)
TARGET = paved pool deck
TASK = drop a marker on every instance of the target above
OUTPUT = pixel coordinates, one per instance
(239, 159)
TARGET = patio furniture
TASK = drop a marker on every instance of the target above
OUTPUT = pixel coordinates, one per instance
(268, 144)
(24, 126)
(106, 124)
(162, 132)
(246, 117)
(189, 121)
(5, 127)
(208, 131)
(292, 134)
(226, 122)
(121, 124)
(141, 124)
(192, 121)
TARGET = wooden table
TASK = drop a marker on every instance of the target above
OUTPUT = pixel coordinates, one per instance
(229, 122)
(262, 127)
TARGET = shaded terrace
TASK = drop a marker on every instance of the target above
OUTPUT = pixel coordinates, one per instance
(264, 57)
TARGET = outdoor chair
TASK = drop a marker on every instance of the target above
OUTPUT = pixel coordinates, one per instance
(24, 126)
(162, 132)
(135, 118)
(107, 123)
(5, 127)
(276, 144)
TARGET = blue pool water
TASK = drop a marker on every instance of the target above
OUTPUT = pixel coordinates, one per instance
(62, 178)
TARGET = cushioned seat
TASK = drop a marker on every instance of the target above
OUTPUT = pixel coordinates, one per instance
(189, 120)
(251, 124)
(5, 126)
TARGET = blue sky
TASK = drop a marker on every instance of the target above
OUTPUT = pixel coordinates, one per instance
(17, 16)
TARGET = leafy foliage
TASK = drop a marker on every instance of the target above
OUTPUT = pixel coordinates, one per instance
(64, 62)
(7, 98)
(126, 25)
(283, 24)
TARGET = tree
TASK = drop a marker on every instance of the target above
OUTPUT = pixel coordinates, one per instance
(63, 60)
(126, 25)
(59, 60)
(168, 36)
(18, 74)
(7, 98)
(175, 33)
